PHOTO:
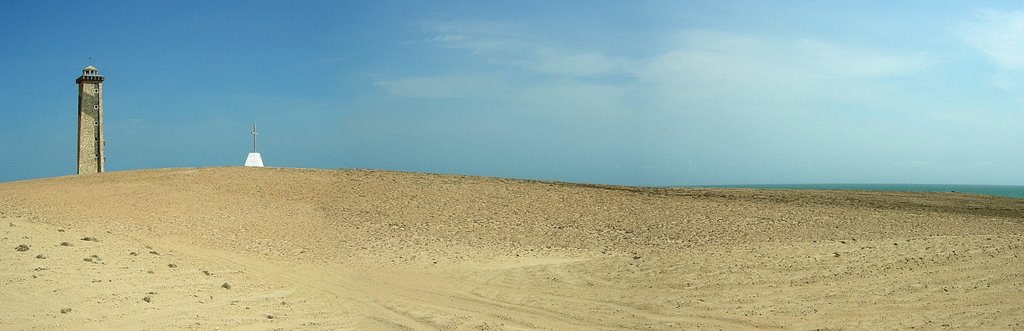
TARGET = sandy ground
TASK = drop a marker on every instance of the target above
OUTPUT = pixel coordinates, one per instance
(245, 248)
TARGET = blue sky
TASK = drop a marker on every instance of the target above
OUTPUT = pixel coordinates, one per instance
(618, 92)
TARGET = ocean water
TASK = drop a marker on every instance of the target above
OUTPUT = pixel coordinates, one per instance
(1012, 191)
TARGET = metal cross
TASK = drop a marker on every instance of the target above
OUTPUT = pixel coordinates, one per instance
(254, 137)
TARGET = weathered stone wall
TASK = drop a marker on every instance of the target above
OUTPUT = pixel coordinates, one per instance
(90, 126)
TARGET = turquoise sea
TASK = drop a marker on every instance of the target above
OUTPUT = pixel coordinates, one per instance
(1013, 191)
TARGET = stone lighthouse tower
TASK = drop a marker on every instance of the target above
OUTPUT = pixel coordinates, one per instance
(90, 121)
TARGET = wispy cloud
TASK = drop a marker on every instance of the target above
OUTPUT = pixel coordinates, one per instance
(485, 38)
(726, 66)
(708, 103)
(998, 35)
(573, 64)
(736, 89)
(444, 87)
(503, 44)
(694, 63)
(830, 59)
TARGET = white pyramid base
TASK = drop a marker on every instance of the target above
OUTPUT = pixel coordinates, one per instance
(254, 160)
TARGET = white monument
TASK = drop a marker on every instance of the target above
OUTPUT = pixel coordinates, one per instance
(254, 159)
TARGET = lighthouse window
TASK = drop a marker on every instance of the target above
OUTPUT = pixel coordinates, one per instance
(95, 106)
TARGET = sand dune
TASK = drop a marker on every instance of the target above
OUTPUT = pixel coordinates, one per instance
(264, 248)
